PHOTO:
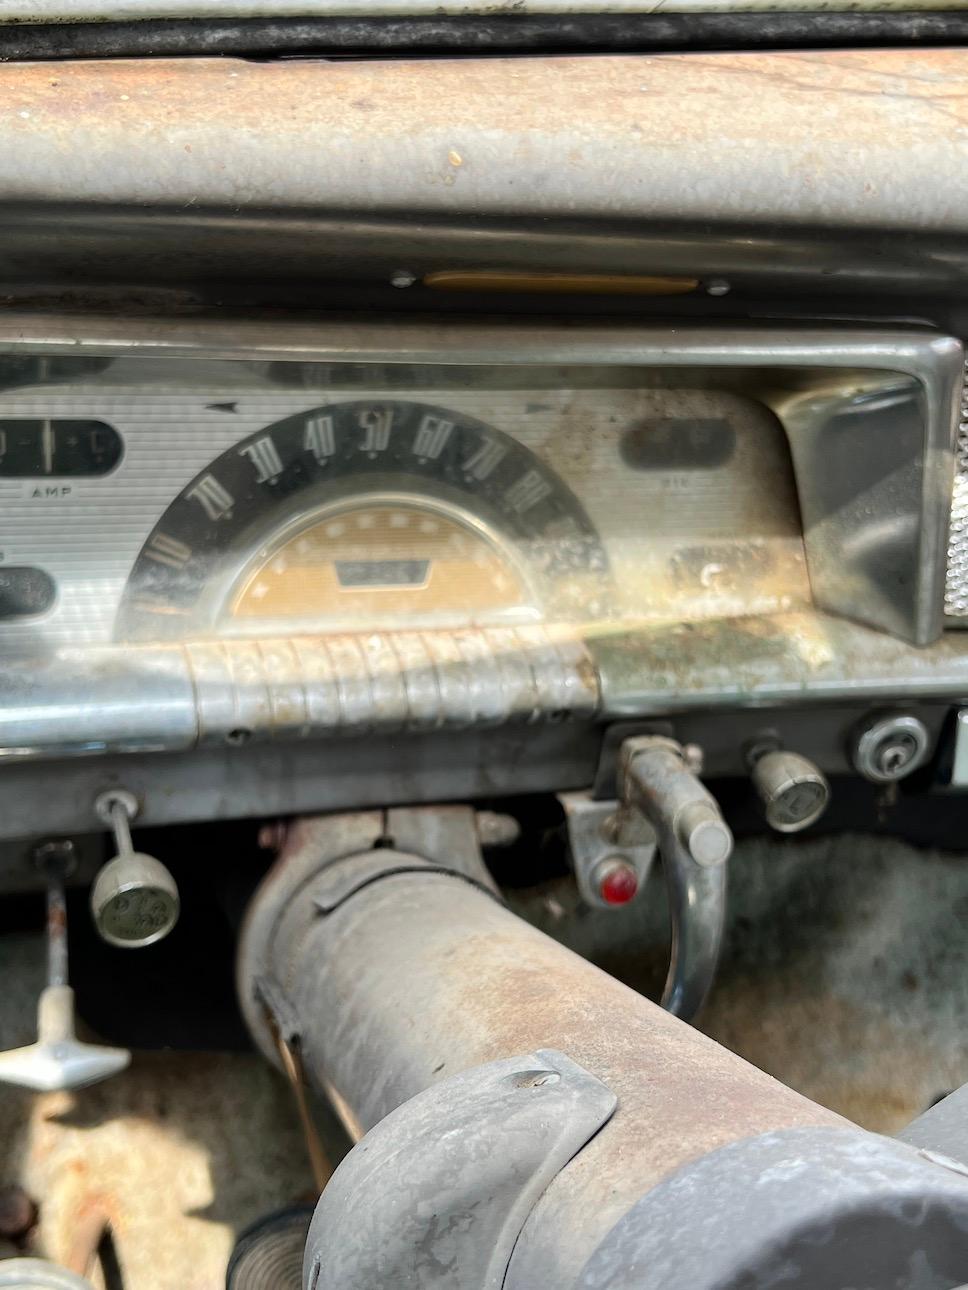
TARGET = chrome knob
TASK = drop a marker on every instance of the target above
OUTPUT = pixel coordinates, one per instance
(134, 899)
(794, 791)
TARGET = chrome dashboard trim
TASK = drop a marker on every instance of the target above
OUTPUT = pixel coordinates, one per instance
(171, 698)
(227, 694)
(933, 358)
(762, 664)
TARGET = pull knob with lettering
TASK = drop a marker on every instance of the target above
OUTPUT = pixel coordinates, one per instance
(134, 900)
(794, 791)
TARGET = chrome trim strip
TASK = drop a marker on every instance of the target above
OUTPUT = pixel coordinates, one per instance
(170, 698)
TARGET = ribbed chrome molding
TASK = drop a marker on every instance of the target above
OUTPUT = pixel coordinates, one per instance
(956, 583)
(167, 698)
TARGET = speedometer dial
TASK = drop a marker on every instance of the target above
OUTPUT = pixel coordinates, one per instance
(362, 514)
(383, 556)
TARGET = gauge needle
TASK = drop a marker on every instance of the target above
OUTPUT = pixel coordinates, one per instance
(48, 448)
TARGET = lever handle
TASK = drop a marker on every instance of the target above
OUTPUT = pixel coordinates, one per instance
(694, 844)
(58, 1060)
(697, 904)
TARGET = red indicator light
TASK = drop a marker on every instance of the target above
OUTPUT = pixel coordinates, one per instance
(619, 883)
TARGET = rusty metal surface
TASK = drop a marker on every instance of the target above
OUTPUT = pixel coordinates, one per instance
(418, 977)
(844, 977)
(306, 879)
(843, 970)
(725, 137)
(774, 659)
(179, 1153)
(92, 1228)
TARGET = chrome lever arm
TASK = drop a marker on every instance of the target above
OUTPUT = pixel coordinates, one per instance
(694, 844)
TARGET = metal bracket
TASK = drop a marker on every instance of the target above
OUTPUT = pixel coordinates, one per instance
(437, 1193)
(601, 833)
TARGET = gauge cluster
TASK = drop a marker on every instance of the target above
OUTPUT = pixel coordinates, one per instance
(323, 565)
(161, 499)
(367, 513)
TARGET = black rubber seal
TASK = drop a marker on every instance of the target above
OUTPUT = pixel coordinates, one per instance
(499, 34)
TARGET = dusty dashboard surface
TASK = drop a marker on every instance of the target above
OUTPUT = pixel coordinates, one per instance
(437, 576)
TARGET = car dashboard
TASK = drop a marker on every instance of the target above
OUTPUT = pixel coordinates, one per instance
(476, 534)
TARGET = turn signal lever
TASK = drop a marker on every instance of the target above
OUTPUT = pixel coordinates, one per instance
(695, 842)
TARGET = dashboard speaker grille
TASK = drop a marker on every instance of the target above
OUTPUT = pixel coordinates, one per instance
(956, 585)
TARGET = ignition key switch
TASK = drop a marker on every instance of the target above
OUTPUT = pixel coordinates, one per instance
(890, 746)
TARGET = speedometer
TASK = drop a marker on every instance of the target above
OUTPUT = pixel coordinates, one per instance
(360, 514)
